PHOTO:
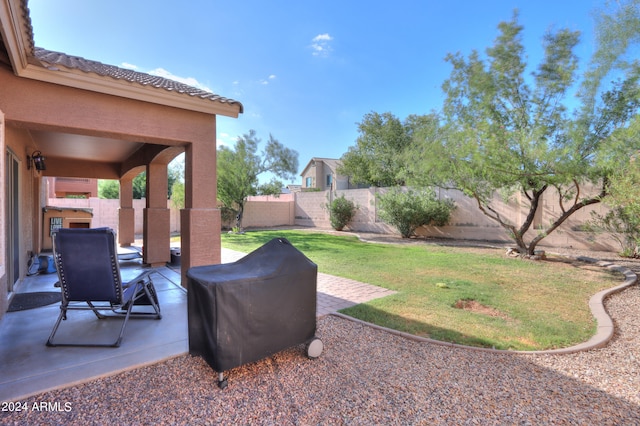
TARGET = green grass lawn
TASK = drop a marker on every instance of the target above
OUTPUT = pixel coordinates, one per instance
(510, 303)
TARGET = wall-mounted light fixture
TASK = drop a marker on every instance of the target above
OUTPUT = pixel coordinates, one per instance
(38, 161)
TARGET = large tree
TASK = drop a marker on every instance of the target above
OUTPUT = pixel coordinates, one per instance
(508, 130)
(239, 170)
(375, 159)
(616, 33)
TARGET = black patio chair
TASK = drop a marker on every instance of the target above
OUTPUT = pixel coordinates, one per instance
(87, 265)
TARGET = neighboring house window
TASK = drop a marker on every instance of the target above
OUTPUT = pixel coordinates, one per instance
(309, 182)
(329, 180)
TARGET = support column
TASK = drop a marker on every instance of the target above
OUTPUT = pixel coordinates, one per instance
(157, 228)
(200, 221)
(126, 214)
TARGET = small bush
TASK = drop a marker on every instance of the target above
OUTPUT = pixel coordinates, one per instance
(341, 211)
(408, 210)
(622, 224)
(228, 216)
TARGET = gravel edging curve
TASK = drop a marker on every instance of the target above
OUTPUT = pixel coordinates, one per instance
(604, 333)
(605, 328)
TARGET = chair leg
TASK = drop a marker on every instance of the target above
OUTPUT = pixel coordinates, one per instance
(95, 311)
(124, 324)
(63, 315)
(149, 290)
(144, 289)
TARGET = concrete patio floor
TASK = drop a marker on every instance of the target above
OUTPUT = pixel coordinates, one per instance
(30, 367)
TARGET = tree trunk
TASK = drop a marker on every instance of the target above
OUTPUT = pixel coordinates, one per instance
(239, 216)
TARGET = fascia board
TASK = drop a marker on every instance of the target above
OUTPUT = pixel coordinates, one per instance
(124, 89)
(11, 28)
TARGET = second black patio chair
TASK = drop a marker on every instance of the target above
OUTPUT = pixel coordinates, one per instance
(87, 265)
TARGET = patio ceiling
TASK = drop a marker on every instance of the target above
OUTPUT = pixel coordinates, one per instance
(83, 147)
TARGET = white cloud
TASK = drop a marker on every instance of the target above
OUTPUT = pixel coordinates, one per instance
(268, 80)
(129, 66)
(224, 139)
(161, 72)
(323, 37)
(320, 44)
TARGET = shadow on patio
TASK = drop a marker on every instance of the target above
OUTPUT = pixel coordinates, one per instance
(31, 367)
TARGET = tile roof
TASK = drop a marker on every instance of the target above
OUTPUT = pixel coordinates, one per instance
(331, 163)
(53, 59)
(28, 27)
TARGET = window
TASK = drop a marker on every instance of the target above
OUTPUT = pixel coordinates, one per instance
(309, 183)
(329, 180)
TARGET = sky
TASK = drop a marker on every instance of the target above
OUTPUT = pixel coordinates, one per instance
(306, 72)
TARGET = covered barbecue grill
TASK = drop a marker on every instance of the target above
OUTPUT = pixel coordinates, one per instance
(247, 310)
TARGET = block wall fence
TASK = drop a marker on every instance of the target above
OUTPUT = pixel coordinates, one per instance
(309, 209)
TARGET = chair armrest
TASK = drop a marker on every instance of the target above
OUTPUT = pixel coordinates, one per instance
(142, 277)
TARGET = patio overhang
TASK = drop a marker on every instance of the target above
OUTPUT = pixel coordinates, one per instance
(58, 68)
(92, 120)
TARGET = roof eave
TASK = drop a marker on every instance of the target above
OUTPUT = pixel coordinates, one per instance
(124, 89)
(19, 46)
(12, 28)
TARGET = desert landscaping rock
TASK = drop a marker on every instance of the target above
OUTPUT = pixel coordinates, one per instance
(368, 376)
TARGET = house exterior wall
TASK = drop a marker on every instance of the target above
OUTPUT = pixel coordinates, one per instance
(342, 182)
(63, 187)
(318, 175)
(309, 174)
(17, 141)
(95, 121)
(105, 211)
(162, 132)
(4, 289)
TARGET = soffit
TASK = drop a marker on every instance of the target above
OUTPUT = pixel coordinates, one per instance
(83, 147)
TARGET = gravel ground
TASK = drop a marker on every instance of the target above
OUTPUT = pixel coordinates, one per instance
(367, 376)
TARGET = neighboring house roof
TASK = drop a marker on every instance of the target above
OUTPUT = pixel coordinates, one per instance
(332, 163)
(60, 68)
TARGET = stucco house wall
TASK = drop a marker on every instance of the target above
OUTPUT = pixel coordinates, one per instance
(15, 144)
(106, 211)
(63, 187)
(92, 120)
(317, 171)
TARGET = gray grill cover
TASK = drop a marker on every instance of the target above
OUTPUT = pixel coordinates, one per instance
(247, 310)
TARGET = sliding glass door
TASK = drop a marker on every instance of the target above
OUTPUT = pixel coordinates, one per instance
(12, 173)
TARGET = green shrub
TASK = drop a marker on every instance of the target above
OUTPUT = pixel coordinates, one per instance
(622, 224)
(228, 216)
(408, 210)
(341, 211)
